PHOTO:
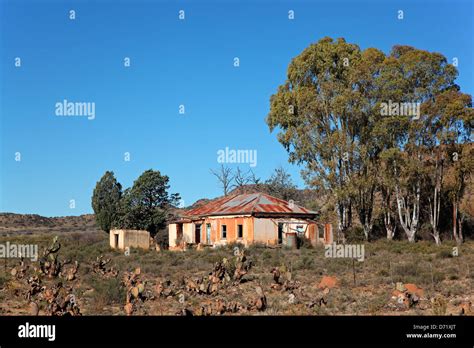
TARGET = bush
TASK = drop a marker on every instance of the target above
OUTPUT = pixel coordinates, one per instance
(355, 235)
(303, 242)
(305, 262)
(107, 292)
(444, 254)
(3, 280)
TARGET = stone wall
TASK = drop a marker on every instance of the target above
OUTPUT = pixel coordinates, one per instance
(130, 239)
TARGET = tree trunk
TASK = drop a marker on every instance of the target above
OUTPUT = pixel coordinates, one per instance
(409, 223)
(390, 231)
(408, 220)
(455, 221)
(367, 230)
(387, 215)
(344, 213)
(389, 227)
(436, 237)
(436, 205)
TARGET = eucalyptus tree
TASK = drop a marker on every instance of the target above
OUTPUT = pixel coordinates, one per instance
(318, 120)
(360, 121)
(450, 115)
(428, 81)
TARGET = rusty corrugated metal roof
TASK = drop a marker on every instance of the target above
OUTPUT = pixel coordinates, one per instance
(249, 203)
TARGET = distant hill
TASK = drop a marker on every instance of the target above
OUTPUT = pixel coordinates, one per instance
(304, 197)
(33, 223)
(11, 223)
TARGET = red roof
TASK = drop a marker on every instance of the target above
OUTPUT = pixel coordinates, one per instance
(249, 203)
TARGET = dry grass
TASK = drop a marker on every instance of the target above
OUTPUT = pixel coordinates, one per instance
(428, 266)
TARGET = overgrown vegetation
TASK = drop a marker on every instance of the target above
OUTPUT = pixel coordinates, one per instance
(291, 281)
(144, 206)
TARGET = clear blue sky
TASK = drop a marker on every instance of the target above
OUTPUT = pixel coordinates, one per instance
(173, 62)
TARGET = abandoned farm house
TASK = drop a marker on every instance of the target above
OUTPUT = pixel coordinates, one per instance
(246, 218)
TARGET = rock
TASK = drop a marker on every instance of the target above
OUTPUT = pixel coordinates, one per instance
(400, 287)
(128, 308)
(407, 295)
(135, 291)
(277, 287)
(414, 290)
(261, 302)
(141, 288)
(397, 293)
(34, 309)
(327, 282)
(159, 289)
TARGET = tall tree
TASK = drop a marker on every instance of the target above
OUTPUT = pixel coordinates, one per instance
(449, 118)
(329, 118)
(364, 109)
(106, 200)
(312, 112)
(458, 177)
(146, 204)
(426, 76)
(325, 113)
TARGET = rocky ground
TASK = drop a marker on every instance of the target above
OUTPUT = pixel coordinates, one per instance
(78, 274)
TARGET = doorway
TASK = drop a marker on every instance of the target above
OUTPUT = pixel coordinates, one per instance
(197, 234)
(179, 234)
(280, 232)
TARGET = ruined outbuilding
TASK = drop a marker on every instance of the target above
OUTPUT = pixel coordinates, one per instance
(246, 218)
(121, 239)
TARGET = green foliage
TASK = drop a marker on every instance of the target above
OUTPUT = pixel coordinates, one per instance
(444, 254)
(355, 234)
(329, 117)
(105, 201)
(146, 204)
(280, 185)
(108, 292)
(3, 280)
(303, 243)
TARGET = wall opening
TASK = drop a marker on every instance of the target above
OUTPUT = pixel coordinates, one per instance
(179, 234)
(280, 232)
(197, 234)
(240, 231)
